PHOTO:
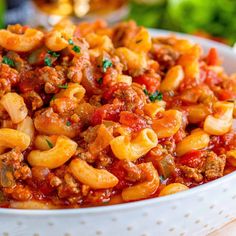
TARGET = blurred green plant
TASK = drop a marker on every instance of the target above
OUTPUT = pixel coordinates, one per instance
(147, 14)
(214, 17)
(2, 11)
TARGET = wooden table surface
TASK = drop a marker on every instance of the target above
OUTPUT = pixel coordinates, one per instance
(227, 230)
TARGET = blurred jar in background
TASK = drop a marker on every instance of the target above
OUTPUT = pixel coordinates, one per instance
(49, 12)
(16, 11)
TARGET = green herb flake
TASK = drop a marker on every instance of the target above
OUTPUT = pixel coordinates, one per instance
(68, 123)
(8, 61)
(100, 80)
(70, 41)
(49, 143)
(139, 41)
(63, 86)
(155, 96)
(146, 92)
(106, 64)
(48, 61)
(76, 49)
(53, 54)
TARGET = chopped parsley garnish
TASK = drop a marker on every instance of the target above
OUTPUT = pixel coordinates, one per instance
(100, 80)
(49, 143)
(146, 92)
(139, 41)
(48, 61)
(154, 96)
(106, 64)
(70, 41)
(8, 61)
(68, 123)
(63, 86)
(53, 54)
(76, 49)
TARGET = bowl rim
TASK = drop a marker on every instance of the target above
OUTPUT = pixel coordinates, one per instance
(141, 203)
(119, 207)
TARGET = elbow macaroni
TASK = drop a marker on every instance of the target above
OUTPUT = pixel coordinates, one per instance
(102, 140)
(27, 126)
(173, 79)
(141, 42)
(172, 189)
(151, 109)
(221, 122)
(132, 61)
(231, 157)
(94, 178)
(28, 41)
(32, 204)
(74, 92)
(145, 189)
(11, 138)
(169, 124)
(41, 142)
(195, 141)
(55, 41)
(126, 149)
(15, 106)
(197, 113)
(64, 149)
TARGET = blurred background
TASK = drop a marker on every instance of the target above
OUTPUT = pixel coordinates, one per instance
(213, 19)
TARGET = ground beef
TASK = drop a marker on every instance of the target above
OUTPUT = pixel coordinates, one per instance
(130, 98)
(123, 33)
(192, 173)
(52, 78)
(165, 56)
(9, 78)
(133, 173)
(32, 100)
(214, 166)
(69, 187)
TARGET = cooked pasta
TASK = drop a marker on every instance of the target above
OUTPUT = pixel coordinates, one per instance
(93, 115)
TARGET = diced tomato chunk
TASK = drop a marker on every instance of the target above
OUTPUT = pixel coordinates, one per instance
(212, 78)
(29, 84)
(133, 120)
(192, 159)
(179, 135)
(109, 93)
(226, 95)
(118, 170)
(212, 57)
(106, 112)
(151, 83)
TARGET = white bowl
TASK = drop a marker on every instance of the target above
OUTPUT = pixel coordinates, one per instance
(197, 211)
